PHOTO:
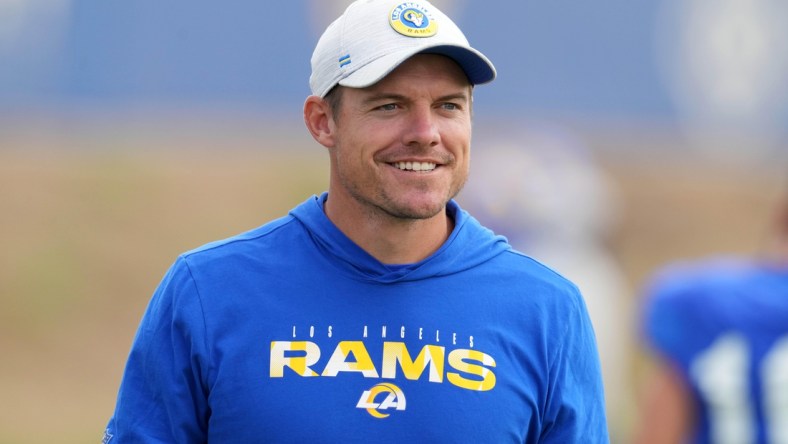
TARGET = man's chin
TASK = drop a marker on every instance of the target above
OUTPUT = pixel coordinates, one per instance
(416, 211)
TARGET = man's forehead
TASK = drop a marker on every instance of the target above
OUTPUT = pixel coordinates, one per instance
(433, 69)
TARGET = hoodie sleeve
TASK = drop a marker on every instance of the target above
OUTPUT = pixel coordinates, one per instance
(575, 411)
(163, 393)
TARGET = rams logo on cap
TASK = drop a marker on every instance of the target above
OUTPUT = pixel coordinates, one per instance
(413, 20)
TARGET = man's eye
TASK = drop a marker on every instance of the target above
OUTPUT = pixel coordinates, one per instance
(388, 107)
(451, 106)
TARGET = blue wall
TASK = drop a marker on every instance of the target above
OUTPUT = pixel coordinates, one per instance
(594, 60)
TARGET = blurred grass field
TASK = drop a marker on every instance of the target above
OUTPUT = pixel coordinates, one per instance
(90, 223)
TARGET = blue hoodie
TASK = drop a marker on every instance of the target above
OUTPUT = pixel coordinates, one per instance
(291, 333)
(722, 323)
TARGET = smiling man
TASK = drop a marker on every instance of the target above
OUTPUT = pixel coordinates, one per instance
(379, 311)
(398, 156)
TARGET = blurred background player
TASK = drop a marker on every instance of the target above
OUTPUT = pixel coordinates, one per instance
(718, 333)
(542, 188)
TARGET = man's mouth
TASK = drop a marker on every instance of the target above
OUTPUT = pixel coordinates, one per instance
(415, 166)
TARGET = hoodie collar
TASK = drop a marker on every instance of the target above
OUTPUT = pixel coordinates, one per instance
(468, 245)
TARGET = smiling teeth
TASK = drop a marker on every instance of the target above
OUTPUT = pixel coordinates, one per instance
(415, 166)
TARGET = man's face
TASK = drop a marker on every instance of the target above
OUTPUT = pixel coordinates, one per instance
(402, 146)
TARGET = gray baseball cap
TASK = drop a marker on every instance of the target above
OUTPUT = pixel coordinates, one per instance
(372, 37)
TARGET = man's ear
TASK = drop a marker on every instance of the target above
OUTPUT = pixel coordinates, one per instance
(319, 120)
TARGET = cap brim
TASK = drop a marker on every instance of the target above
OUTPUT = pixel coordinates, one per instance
(477, 67)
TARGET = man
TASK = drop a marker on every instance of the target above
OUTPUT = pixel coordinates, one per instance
(379, 311)
(718, 333)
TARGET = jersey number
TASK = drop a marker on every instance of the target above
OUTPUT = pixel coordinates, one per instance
(722, 374)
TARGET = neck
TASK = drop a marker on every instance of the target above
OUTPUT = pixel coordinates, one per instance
(389, 239)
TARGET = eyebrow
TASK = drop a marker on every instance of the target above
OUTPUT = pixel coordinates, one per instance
(458, 96)
(383, 97)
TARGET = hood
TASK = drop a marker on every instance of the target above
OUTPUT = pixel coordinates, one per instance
(469, 245)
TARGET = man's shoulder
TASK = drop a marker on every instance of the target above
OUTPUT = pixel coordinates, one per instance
(262, 237)
(535, 274)
(525, 263)
(692, 277)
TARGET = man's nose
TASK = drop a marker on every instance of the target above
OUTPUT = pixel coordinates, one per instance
(422, 127)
